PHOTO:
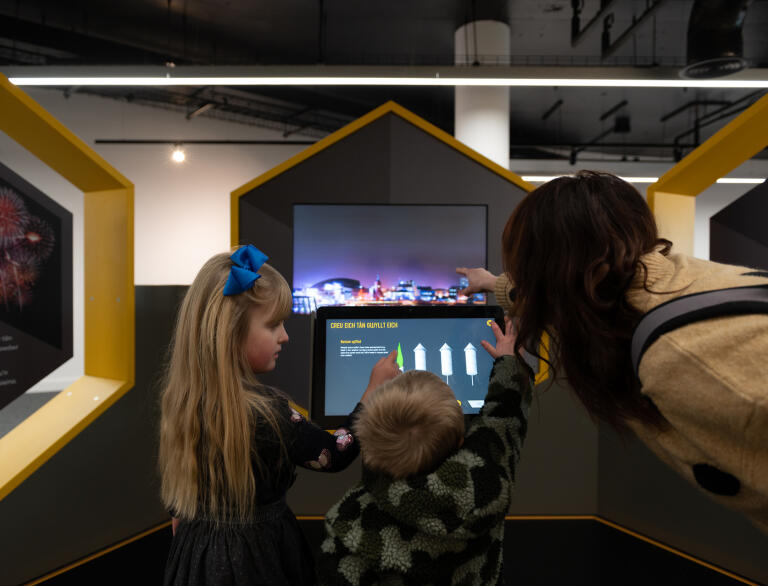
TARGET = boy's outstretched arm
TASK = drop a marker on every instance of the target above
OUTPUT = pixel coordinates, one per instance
(505, 341)
(498, 432)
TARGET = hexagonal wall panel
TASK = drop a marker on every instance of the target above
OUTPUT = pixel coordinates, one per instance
(737, 233)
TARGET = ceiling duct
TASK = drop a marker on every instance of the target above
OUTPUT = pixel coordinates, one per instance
(714, 38)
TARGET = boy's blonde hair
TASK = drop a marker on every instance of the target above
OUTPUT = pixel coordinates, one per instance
(410, 425)
(208, 414)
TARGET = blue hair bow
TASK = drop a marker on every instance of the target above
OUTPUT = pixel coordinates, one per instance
(246, 260)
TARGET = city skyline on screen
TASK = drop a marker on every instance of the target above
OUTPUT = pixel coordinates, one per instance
(358, 254)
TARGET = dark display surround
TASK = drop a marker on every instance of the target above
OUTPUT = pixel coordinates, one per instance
(35, 285)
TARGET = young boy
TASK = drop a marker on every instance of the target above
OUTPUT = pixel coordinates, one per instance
(431, 504)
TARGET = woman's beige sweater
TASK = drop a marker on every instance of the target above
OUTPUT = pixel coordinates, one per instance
(709, 380)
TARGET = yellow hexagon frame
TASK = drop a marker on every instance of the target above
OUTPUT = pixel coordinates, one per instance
(109, 288)
(354, 126)
(673, 197)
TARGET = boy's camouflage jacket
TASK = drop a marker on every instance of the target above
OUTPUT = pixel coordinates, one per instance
(446, 527)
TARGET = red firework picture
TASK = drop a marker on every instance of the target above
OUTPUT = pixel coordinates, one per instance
(35, 285)
(26, 243)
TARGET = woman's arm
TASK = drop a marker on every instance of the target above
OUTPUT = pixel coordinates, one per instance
(483, 281)
(480, 280)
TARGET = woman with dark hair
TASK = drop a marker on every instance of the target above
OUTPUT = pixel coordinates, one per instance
(583, 261)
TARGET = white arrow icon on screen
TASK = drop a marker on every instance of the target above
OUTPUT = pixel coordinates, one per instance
(446, 361)
(470, 357)
(420, 357)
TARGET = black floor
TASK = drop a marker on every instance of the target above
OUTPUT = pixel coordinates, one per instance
(556, 552)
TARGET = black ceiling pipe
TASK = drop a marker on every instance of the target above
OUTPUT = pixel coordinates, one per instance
(714, 38)
(473, 11)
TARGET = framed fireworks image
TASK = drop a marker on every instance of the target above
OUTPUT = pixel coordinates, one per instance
(35, 285)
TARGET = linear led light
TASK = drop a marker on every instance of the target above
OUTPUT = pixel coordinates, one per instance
(386, 81)
(742, 180)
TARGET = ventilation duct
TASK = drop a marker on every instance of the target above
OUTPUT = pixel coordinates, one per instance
(714, 38)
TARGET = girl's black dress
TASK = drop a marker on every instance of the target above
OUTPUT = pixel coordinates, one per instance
(270, 548)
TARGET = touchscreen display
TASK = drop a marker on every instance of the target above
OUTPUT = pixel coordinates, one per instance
(449, 347)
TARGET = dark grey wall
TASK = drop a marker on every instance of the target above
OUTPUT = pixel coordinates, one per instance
(728, 245)
(737, 233)
(558, 465)
(638, 491)
(102, 487)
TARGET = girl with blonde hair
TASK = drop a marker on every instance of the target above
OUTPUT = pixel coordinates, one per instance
(229, 445)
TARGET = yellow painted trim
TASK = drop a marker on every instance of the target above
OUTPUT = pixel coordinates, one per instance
(506, 518)
(735, 143)
(675, 218)
(354, 126)
(300, 409)
(31, 443)
(460, 146)
(550, 518)
(677, 552)
(109, 293)
(610, 524)
(543, 373)
(739, 140)
(98, 554)
(109, 288)
(634, 534)
(26, 122)
(234, 219)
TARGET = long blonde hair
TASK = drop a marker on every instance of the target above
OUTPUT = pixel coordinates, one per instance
(208, 413)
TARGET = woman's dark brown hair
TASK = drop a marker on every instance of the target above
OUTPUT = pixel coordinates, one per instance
(572, 248)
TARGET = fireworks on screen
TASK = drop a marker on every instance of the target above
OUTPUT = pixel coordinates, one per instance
(26, 242)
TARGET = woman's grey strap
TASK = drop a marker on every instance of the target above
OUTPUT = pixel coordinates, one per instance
(696, 307)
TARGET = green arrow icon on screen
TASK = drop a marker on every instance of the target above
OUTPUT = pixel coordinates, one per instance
(400, 357)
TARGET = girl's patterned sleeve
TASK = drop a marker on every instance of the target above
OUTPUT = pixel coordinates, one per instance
(317, 449)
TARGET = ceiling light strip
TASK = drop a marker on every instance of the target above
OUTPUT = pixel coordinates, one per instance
(723, 180)
(385, 81)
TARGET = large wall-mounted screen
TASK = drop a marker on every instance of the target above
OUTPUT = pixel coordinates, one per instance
(385, 254)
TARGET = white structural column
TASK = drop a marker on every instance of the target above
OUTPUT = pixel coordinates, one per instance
(481, 115)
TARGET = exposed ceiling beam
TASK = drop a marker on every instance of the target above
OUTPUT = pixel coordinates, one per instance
(608, 47)
(577, 33)
(551, 110)
(692, 104)
(200, 110)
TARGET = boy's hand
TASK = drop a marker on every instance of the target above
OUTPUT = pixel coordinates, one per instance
(505, 341)
(385, 369)
(480, 280)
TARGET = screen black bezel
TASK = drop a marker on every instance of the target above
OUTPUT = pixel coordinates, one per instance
(317, 390)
